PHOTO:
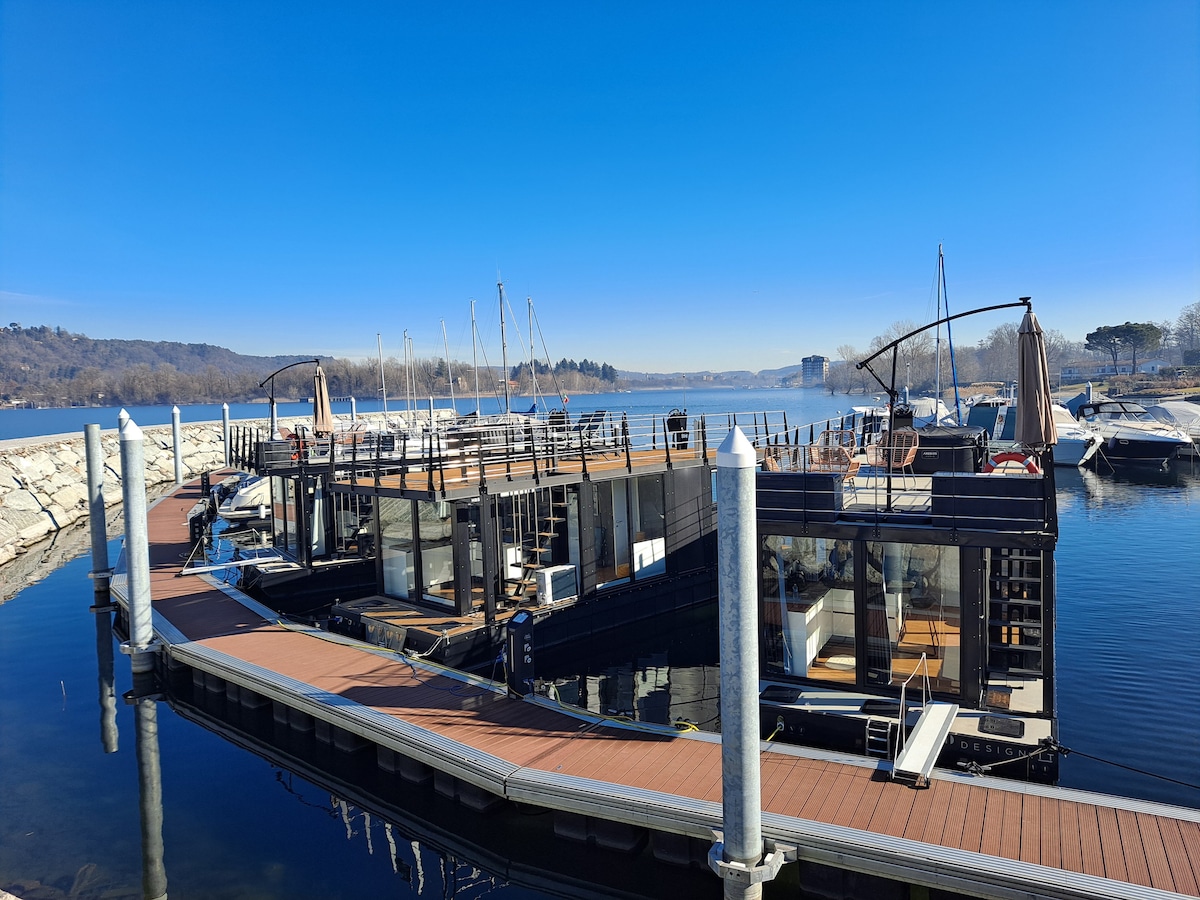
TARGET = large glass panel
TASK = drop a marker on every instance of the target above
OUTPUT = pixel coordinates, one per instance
(352, 533)
(611, 532)
(808, 607)
(649, 526)
(396, 547)
(913, 605)
(435, 531)
(283, 509)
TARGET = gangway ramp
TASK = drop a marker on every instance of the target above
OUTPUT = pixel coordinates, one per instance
(924, 743)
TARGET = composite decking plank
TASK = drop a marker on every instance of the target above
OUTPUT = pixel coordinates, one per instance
(1183, 873)
(797, 789)
(819, 787)
(902, 810)
(923, 807)
(1070, 844)
(973, 820)
(949, 832)
(1136, 867)
(1157, 863)
(1111, 847)
(1032, 830)
(991, 822)
(1010, 835)
(840, 792)
(882, 813)
(1189, 833)
(843, 813)
(868, 802)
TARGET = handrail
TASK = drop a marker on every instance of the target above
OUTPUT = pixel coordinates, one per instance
(902, 736)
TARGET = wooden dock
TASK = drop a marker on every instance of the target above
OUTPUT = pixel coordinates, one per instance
(983, 836)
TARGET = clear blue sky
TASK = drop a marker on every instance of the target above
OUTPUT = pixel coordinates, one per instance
(677, 186)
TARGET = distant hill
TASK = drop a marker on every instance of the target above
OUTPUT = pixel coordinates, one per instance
(52, 366)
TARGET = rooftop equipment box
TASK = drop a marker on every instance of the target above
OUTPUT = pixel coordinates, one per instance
(950, 448)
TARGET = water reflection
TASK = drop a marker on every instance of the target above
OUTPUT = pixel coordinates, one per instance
(150, 805)
(434, 847)
(107, 679)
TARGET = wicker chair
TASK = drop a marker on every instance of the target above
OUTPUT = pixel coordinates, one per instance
(894, 451)
(834, 452)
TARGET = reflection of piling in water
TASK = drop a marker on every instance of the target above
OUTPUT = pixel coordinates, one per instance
(108, 690)
(99, 530)
(154, 873)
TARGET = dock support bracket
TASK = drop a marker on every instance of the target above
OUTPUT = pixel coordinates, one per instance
(773, 858)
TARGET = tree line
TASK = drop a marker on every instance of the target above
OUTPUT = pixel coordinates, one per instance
(994, 358)
(46, 366)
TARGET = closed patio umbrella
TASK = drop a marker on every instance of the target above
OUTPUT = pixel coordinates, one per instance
(322, 415)
(1035, 421)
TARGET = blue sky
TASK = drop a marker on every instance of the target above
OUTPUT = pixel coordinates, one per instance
(677, 186)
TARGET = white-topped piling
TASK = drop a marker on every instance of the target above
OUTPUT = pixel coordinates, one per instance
(137, 547)
(225, 431)
(353, 411)
(122, 418)
(96, 520)
(274, 421)
(736, 857)
(177, 444)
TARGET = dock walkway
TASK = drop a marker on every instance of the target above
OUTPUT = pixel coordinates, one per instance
(983, 836)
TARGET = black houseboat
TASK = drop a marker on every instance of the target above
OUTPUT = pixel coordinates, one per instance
(586, 524)
(889, 596)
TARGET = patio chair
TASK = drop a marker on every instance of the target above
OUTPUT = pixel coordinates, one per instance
(834, 452)
(894, 451)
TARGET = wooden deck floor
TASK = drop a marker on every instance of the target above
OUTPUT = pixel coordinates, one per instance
(1094, 835)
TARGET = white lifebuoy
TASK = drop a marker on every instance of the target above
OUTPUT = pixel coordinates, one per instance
(1027, 462)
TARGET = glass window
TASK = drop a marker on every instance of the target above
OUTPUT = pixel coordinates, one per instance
(396, 547)
(435, 531)
(611, 531)
(913, 606)
(807, 607)
(649, 526)
(283, 518)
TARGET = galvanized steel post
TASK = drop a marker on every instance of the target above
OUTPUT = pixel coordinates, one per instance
(353, 411)
(137, 548)
(225, 432)
(274, 435)
(99, 529)
(177, 444)
(738, 857)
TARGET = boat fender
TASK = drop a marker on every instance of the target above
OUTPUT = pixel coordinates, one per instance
(999, 459)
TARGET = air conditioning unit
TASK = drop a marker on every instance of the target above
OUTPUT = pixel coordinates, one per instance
(555, 583)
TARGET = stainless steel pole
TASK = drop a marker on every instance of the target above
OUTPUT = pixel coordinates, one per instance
(225, 432)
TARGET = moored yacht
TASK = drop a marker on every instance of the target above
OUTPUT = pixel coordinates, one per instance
(1129, 433)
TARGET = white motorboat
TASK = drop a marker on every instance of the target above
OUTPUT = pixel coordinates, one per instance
(1182, 415)
(251, 500)
(1130, 434)
(1077, 443)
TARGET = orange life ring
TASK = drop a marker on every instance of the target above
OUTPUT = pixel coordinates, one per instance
(1000, 459)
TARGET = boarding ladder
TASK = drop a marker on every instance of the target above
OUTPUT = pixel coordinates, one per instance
(919, 750)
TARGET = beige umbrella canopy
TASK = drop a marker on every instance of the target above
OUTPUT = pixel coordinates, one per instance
(322, 415)
(1035, 419)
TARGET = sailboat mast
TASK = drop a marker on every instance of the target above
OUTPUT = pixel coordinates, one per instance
(449, 374)
(937, 356)
(382, 382)
(474, 357)
(503, 348)
(533, 387)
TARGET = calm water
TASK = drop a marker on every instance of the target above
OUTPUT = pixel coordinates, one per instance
(236, 824)
(20, 423)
